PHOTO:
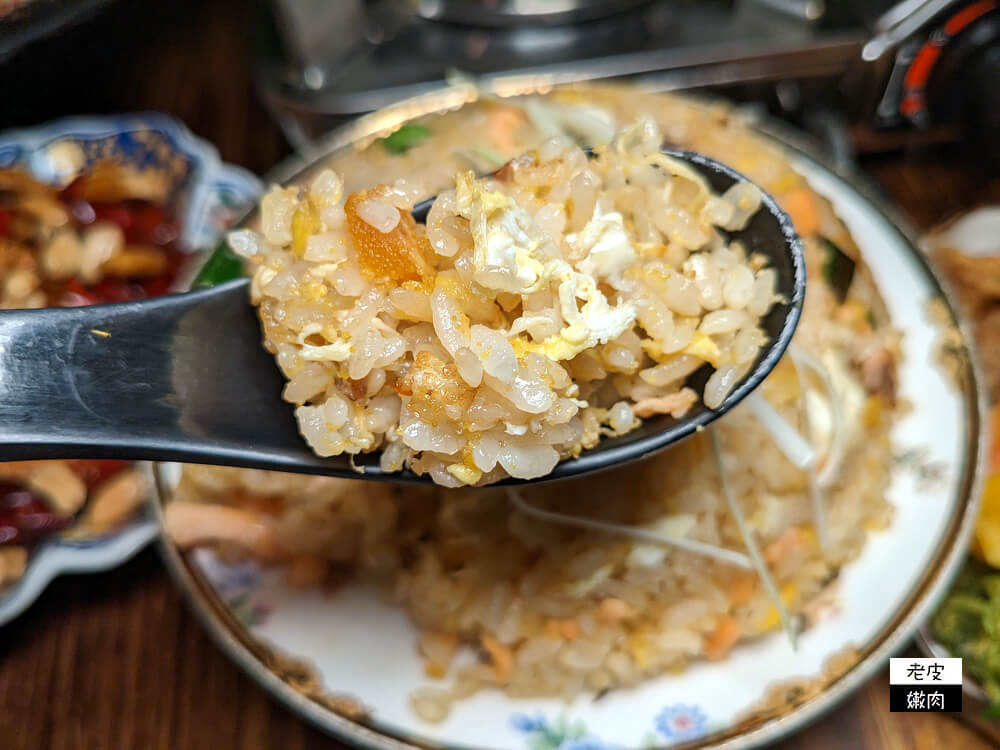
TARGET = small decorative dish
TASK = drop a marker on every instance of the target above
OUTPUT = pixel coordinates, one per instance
(96, 209)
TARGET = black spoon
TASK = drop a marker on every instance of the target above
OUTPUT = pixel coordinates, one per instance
(185, 378)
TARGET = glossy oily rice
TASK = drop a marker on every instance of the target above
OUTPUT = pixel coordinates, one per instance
(559, 300)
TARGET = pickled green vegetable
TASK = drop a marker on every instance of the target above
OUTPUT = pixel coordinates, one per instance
(405, 138)
(838, 269)
(222, 265)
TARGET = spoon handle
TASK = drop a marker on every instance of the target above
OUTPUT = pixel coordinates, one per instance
(150, 379)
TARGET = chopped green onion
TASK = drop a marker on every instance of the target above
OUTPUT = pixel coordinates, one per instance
(838, 269)
(406, 138)
(222, 265)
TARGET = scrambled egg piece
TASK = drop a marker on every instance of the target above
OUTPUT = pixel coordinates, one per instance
(505, 236)
(702, 347)
(592, 323)
(604, 245)
(512, 254)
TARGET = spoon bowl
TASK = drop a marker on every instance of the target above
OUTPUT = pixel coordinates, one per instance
(185, 377)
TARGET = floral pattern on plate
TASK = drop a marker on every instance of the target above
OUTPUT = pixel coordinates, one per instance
(239, 585)
(674, 724)
(681, 722)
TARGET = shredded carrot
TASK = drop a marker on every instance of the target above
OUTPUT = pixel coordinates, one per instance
(800, 205)
(502, 657)
(719, 642)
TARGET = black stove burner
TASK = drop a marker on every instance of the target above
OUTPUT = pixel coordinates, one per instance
(391, 51)
(809, 61)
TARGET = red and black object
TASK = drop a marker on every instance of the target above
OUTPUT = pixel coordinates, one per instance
(953, 77)
(25, 517)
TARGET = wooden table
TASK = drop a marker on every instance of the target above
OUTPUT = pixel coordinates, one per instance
(116, 661)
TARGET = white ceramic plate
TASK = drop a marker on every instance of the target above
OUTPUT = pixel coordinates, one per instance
(349, 650)
(208, 196)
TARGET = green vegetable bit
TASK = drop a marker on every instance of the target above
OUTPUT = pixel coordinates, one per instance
(222, 265)
(406, 138)
(838, 270)
(968, 625)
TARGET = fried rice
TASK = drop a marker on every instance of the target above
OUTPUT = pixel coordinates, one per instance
(560, 300)
(600, 583)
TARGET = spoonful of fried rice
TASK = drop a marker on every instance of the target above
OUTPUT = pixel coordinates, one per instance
(572, 311)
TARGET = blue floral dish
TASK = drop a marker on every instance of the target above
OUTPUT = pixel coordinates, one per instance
(204, 194)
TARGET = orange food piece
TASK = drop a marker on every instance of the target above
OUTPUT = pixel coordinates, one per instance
(740, 588)
(505, 173)
(434, 387)
(396, 256)
(612, 610)
(800, 205)
(783, 546)
(434, 671)
(17, 469)
(115, 499)
(353, 389)
(674, 404)
(568, 630)
(109, 182)
(994, 458)
(193, 524)
(988, 524)
(137, 261)
(719, 642)
(503, 125)
(501, 656)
